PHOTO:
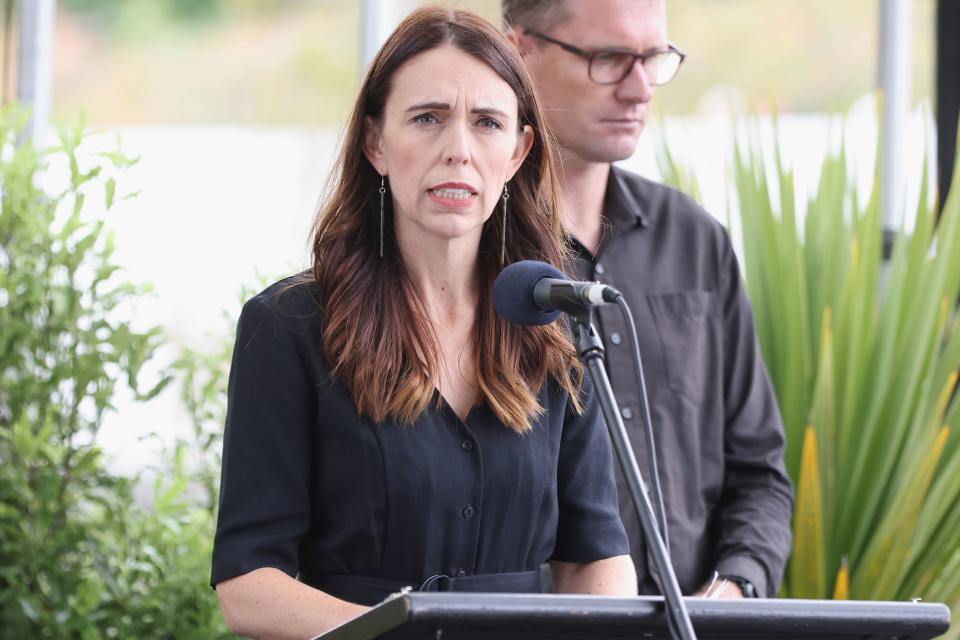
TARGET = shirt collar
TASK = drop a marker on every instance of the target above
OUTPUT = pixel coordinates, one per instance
(619, 204)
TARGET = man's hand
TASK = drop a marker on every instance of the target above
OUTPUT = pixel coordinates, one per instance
(721, 589)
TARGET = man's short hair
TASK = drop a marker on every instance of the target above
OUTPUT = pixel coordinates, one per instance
(539, 14)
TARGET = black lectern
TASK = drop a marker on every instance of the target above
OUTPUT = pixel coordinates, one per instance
(473, 616)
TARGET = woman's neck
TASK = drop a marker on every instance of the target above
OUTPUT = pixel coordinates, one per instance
(444, 273)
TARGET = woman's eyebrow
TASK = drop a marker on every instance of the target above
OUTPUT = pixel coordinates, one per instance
(489, 111)
(438, 106)
(443, 106)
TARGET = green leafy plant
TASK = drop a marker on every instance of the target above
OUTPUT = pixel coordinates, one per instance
(863, 354)
(79, 558)
(203, 392)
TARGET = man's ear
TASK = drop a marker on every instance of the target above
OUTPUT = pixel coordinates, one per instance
(524, 144)
(526, 46)
(523, 42)
(373, 144)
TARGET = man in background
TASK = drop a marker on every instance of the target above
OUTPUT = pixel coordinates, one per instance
(718, 431)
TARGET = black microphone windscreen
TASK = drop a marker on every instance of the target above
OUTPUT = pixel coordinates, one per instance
(513, 292)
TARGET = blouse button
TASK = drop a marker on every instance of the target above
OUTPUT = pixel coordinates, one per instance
(615, 338)
(599, 269)
(460, 573)
(627, 413)
(468, 511)
(467, 446)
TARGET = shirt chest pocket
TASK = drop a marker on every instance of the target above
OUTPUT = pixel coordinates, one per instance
(686, 326)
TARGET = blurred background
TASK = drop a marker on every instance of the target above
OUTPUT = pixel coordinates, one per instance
(234, 108)
(297, 62)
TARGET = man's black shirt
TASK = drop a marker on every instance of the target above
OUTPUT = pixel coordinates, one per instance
(717, 427)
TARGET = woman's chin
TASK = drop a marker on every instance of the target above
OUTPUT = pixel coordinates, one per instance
(453, 230)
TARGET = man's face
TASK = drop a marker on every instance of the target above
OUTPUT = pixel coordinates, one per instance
(596, 123)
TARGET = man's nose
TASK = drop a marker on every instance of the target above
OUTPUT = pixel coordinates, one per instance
(636, 87)
(456, 144)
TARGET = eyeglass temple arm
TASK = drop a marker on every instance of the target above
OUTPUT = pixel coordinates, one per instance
(563, 45)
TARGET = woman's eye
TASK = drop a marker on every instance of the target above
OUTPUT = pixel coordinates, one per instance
(425, 118)
(490, 123)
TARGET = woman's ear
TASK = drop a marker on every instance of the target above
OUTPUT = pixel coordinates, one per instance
(373, 144)
(524, 144)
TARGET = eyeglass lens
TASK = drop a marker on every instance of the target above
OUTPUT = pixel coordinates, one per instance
(612, 67)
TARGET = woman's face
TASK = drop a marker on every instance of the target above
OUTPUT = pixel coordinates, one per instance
(447, 142)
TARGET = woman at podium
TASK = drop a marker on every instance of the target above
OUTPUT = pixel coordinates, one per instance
(386, 428)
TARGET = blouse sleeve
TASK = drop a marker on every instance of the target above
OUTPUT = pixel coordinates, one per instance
(589, 526)
(264, 485)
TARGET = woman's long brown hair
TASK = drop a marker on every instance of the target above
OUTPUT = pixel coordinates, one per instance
(377, 336)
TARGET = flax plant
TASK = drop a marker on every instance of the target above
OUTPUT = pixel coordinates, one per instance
(863, 354)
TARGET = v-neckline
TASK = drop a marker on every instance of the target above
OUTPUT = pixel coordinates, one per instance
(449, 407)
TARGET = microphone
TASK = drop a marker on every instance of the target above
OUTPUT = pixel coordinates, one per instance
(534, 293)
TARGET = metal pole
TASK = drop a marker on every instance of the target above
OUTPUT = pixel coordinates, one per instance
(377, 19)
(895, 88)
(7, 48)
(590, 348)
(34, 64)
(948, 94)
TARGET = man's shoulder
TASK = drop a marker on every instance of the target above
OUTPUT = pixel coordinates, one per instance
(662, 205)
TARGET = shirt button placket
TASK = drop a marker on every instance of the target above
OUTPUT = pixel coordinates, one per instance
(469, 513)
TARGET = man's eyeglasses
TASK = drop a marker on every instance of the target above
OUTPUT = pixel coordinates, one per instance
(610, 66)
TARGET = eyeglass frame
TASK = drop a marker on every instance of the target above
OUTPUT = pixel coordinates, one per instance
(589, 56)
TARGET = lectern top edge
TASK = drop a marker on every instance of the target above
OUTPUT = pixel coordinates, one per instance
(571, 617)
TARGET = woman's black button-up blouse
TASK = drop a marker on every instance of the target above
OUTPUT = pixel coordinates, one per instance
(310, 487)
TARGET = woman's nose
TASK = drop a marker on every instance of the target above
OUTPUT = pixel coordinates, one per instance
(456, 148)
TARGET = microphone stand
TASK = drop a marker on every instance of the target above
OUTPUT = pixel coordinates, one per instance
(590, 348)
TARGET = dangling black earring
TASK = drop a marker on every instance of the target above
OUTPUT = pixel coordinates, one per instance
(503, 238)
(383, 190)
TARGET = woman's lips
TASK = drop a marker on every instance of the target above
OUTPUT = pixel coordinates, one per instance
(449, 197)
(453, 194)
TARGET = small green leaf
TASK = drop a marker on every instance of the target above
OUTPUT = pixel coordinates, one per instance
(78, 201)
(24, 440)
(110, 190)
(29, 609)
